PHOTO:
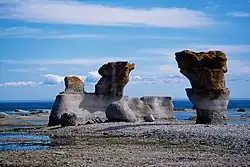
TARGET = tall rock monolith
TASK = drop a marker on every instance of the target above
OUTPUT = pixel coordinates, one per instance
(205, 71)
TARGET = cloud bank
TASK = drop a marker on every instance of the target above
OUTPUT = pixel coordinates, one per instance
(76, 12)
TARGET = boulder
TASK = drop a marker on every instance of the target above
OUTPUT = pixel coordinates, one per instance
(68, 119)
(115, 75)
(241, 109)
(205, 71)
(119, 111)
(149, 118)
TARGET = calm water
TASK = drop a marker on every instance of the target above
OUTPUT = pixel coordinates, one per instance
(11, 106)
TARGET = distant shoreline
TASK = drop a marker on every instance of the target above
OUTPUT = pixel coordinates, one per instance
(174, 99)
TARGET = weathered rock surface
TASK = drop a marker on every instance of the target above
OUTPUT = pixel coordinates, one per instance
(119, 111)
(205, 71)
(73, 84)
(89, 107)
(66, 103)
(68, 119)
(158, 107)
(115, 75)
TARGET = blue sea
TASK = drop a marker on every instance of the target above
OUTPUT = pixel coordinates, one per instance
(10, 106)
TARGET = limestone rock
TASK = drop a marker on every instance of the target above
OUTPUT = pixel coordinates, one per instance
(119, 111)
(158, 107)
(73, 84)
(68, 119)
(64, 103)
(162, 107)
(205, 71)
(115, 75)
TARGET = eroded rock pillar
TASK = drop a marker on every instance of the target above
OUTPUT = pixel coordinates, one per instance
(115, 76)
(205, 71)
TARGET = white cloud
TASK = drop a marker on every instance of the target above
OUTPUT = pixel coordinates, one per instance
(136, 78)
(18, 83)
(76, 12)
(88, 61)
(170, 52)
(93, 76)
(156, 80)
(27, 70)
(239, 14)
(38, 33)
(52, 79)
(169, 69)
(226, 48)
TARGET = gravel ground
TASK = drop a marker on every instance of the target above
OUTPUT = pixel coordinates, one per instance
(137, 144)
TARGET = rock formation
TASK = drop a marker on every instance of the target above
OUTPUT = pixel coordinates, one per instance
(91, 107)
(73, 85)
(205, 71)
(115, 75)
(68, 100)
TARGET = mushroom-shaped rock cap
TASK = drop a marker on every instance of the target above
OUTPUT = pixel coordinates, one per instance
(187, 59)
(115, 75)
(205, 70)
(107, 70)
(73, 84)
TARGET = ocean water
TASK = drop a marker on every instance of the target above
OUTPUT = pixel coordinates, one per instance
(239, 117)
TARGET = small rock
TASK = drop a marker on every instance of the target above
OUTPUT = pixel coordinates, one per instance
(98, 120)
(89, 122)
(241, 110)
(68, 119)
(192, 118)
(149, 118)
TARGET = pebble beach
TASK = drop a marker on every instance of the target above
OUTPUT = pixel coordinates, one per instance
(161, 143)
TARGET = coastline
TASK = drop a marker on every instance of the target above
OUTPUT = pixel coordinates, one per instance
(161, 143)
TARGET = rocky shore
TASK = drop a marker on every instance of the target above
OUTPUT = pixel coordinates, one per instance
(161, 143)
(129, 131)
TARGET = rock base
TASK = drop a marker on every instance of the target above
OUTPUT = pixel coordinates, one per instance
(210, 106)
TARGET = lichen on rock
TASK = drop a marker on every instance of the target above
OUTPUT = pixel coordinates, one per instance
(115, 75)
(205, 71)
(73, 84)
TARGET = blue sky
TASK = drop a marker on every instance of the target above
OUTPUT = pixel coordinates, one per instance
(43, 41)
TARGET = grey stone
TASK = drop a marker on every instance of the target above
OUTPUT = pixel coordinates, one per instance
(119, 111)
(149, 118)
(210, 106)
(89, 122)
(68, 119)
